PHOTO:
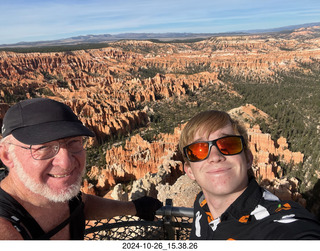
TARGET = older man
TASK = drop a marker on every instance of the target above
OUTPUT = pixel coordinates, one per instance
(43, 147)
(232, 206)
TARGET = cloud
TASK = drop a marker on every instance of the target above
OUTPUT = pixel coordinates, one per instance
(50, 19)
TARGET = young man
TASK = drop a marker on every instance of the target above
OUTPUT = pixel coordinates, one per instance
(232, 206)
(43, 147)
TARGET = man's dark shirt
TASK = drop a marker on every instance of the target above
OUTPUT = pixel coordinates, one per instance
(255, 215)
(29, 229)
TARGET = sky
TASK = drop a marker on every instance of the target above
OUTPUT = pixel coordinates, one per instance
(41, 20)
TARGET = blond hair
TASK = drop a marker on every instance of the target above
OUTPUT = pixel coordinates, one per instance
(207, 122)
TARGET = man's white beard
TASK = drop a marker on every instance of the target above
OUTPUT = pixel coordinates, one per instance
(43, 189)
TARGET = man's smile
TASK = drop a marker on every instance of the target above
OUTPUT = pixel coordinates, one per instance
(58, 175)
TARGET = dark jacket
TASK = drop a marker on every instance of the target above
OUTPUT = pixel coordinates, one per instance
(255, 215)
(29, 229)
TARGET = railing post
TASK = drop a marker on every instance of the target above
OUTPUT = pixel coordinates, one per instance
(169, 229)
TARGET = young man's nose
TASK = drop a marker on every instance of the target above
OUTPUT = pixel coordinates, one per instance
(215, 155)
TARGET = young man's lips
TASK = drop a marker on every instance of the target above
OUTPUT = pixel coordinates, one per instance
(218, 170)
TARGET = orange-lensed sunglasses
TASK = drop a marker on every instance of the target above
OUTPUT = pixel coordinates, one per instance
(228, 145)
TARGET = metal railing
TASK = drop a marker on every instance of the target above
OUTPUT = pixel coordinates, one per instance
(172, 223)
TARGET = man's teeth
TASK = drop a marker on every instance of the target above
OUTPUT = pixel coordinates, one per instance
(58, 176)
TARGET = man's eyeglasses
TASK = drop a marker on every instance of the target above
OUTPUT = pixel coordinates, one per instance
(51, 149)
(228, 145)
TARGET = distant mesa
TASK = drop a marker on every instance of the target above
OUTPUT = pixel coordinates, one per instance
(91, 38)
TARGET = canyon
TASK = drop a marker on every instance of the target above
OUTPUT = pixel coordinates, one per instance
(113, 89)
(159, 165)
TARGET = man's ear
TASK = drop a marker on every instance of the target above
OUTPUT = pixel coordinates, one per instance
(188, 170)
(5, 156)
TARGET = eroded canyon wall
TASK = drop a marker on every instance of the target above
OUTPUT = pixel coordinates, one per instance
(109, 89)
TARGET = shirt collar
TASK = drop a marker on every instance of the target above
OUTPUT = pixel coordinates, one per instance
(245, 203)
(241, 207)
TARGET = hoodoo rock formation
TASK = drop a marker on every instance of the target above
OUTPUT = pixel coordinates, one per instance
(110, 90)
(140, 160)
(136, 158)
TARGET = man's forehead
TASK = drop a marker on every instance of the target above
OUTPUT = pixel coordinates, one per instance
(63, 139)
(50, 142)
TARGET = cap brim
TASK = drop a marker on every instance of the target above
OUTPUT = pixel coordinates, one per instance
(43, 133)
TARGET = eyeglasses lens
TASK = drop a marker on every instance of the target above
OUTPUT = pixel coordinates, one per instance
(45, 151)
(76, 145)
(49, 150)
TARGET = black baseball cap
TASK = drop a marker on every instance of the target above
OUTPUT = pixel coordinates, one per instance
(40, 120)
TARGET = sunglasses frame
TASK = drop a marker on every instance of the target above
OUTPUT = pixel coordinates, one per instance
(214, 143)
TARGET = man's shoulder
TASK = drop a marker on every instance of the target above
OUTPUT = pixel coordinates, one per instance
(290, 227)
(286, 220)
(8, 231)
(284, 207)
(8, 205)
(199, 197)
(14, 218)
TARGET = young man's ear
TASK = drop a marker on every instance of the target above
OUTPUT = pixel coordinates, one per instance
(249, 158)
(188, 170)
